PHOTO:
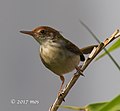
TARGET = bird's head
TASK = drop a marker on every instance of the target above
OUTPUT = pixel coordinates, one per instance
(43, 34)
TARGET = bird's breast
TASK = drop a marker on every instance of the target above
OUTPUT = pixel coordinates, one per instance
(58, 59)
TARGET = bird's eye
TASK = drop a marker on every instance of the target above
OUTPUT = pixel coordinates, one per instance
(42, 32)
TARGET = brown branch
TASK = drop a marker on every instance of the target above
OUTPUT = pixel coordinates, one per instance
(73, 80)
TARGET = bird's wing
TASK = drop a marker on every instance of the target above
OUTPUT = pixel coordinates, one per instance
(73, 48)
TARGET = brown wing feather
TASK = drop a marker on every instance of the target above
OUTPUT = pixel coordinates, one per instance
(73, 48)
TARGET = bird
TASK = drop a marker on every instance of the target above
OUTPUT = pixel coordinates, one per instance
(57, 53)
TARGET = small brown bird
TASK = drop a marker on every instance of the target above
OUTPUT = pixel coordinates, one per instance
(56, 52)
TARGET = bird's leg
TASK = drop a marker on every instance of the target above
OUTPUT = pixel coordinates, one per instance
(60, 91)
(78, 68)
(63, 80)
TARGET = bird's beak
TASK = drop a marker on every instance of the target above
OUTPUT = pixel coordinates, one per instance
(28, 32)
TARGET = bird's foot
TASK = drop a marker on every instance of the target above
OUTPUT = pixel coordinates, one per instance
(79, 71)
(60, 95)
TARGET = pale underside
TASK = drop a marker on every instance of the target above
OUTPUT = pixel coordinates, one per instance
(58, 60)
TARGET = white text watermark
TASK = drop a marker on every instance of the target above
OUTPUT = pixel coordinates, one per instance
(24, 101)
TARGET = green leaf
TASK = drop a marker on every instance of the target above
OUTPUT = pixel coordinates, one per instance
(96, 106)
(112, 48)
(113, 105)
(72, 107)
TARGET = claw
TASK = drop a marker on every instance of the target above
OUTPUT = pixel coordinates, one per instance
(82, 74)
(61, 96)
(79, 71)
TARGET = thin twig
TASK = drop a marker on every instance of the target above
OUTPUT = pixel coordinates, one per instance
(96, 38)
(73, 80)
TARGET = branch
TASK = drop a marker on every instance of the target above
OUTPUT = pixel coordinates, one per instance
(73, 80)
